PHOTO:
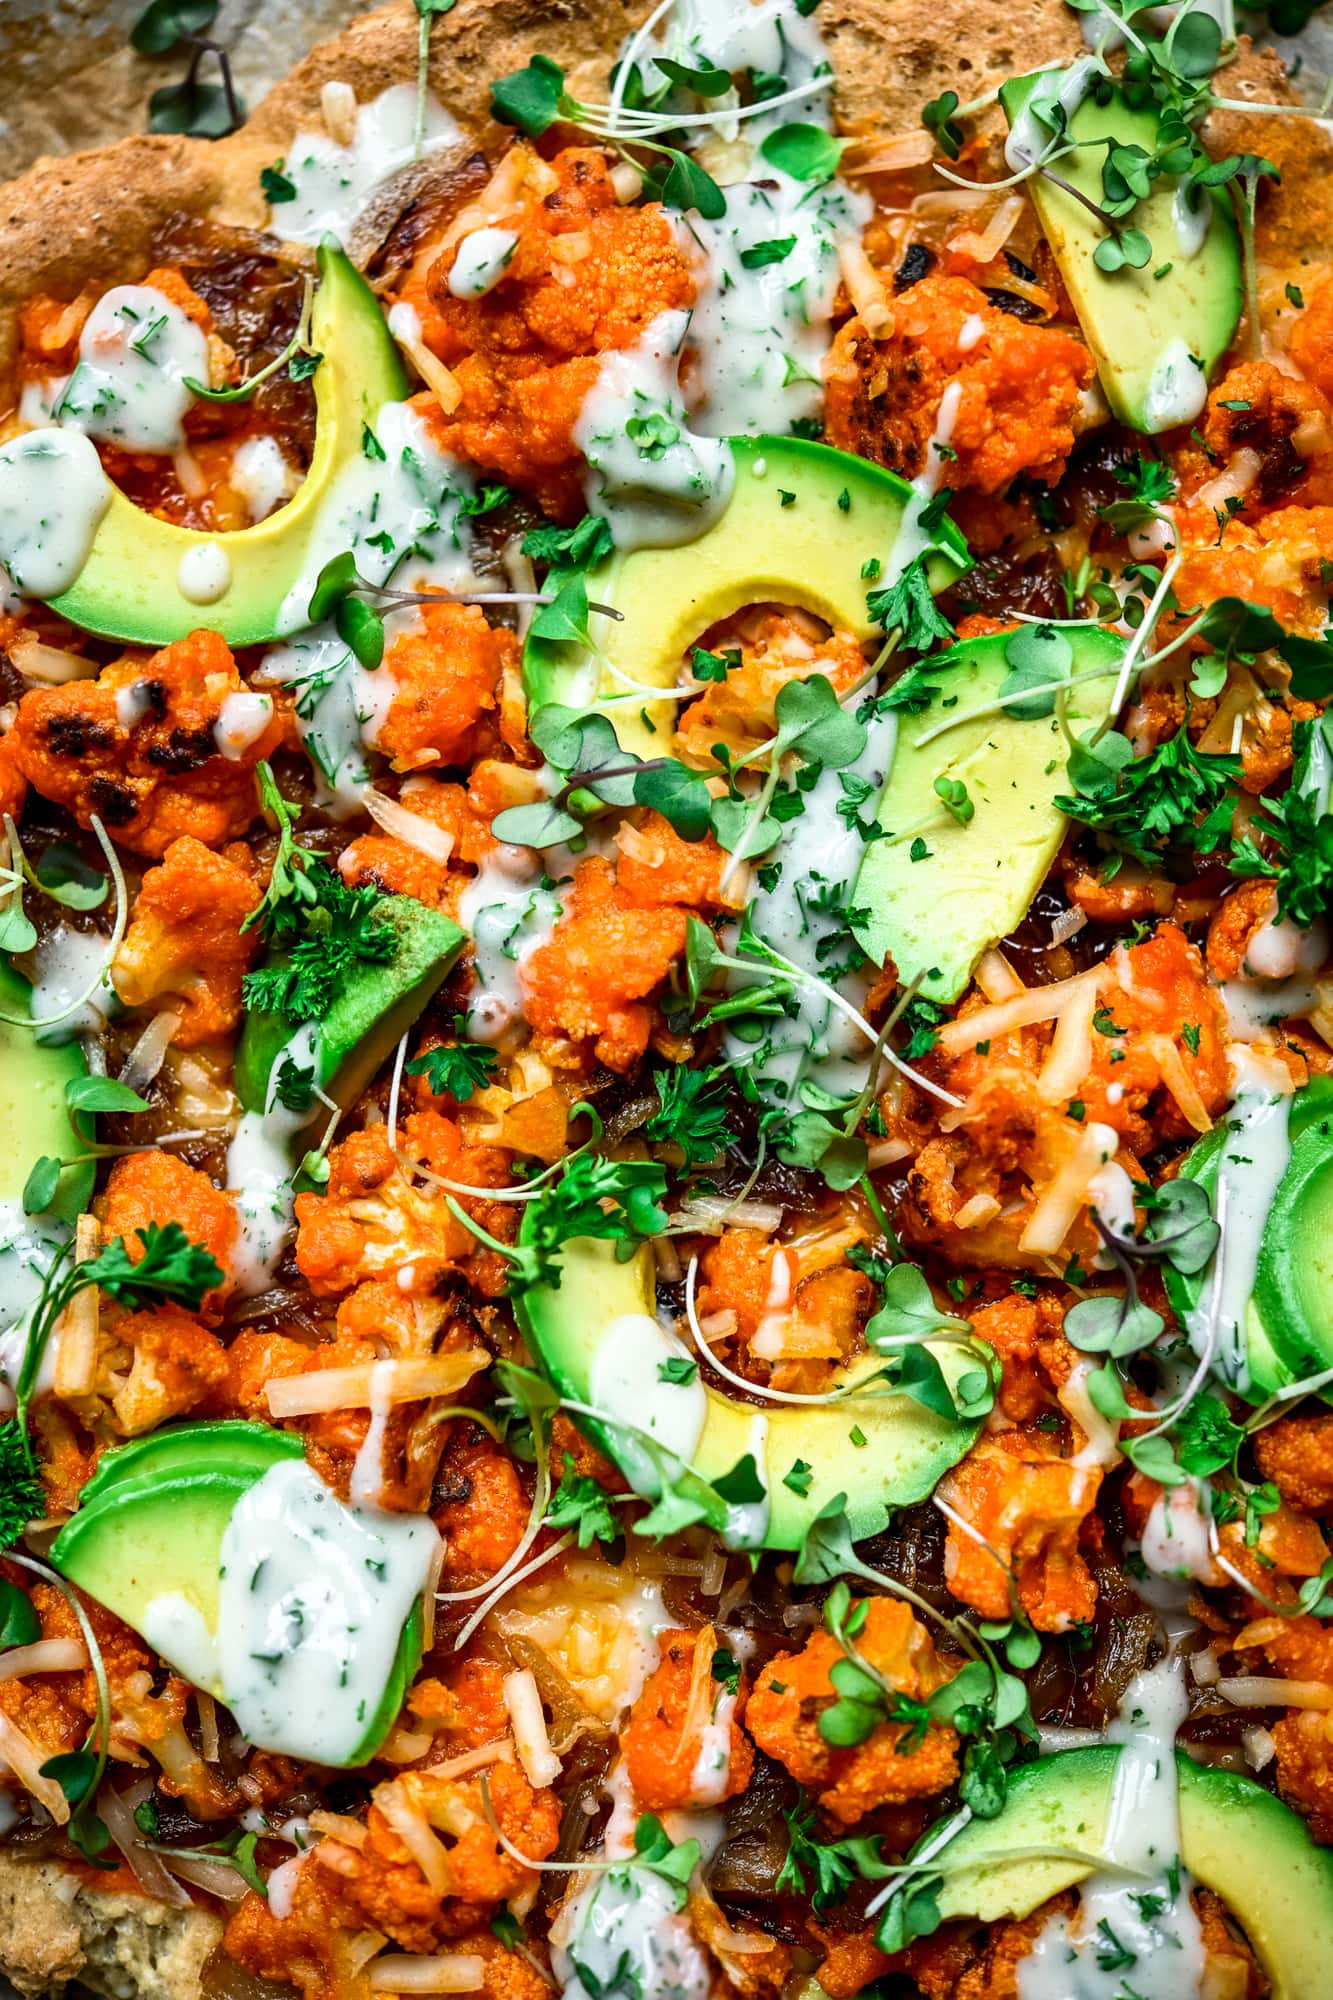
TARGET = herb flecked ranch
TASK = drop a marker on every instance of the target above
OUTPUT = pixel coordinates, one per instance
(666, 1011)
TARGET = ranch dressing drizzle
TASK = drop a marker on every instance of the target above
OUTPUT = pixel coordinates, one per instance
(1252, 1162)
(29, 1245)
(260, 1170)
(262, 476)
(798, 916)
(482, 260)
(621, 1932)
(311, 1605)
(627, 1385)
(1138, 1930)
(654, 481)
(53, 494)
(1177, 389)
(507, 913)
(135, 351)
(333, 183)
(396, 508)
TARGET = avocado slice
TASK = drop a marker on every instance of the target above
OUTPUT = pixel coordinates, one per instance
(33, 1112)
(1236, 1839)
(596, 1336)
(155, 1526)
(1143, 326)
(377, 1005)
(802, 521)
(129, 588)
(241, 1446)
(1289, 1320)
(970, 883)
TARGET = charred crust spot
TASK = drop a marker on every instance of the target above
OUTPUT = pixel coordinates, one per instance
(184, 750)
(1014, 305)
(917, 264)
(115, 803)
(452, 1489)
(76, 736)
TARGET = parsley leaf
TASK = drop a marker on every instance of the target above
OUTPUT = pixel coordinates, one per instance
(692, 1112)
(457, 1070)
(908, 606)
(580, 1503)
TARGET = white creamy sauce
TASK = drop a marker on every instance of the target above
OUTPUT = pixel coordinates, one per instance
(1029, 137)
(1111, 1196)
(773, 36)
(260, 1167)
(712, 1766)
(366, 1486)
(1145, 1922)
(203, 574)
(819, 857)
(397, 513)
(1252, 1162)
(53, 494)
(242, 720)
(626, 1384)
(1255, 1006)
(311, 1606)
(333, 182)
(133, 703)
(1190, 222)
(29, 1245)
(508, 915)
(481, 261)
(1176, 1543)
(1177, 390)
(67, 962)
(1280, 949)
(128, 388)
(761, 333)
(399, 516)
(262, 476)
(654, 480)
(914, 537)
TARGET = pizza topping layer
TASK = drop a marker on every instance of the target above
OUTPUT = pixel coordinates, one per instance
(662, 1305)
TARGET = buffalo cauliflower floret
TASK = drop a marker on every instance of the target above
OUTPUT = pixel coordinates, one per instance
(185, 947)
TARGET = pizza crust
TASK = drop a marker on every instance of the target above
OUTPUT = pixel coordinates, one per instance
(54, 1928)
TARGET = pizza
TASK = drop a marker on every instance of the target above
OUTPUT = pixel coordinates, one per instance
(666, 1012)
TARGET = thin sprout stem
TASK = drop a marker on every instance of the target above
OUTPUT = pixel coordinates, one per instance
(1006, 702)
(1010, 180)
(117, 874)
(643, 126)
(1292, 1393)
(638, 43)
(1129, 664)
(839, 1395)
(515, 1577)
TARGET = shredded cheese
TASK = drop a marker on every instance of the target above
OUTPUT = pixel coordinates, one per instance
(406, 1972)
(43, 1656)
(541, 1766)
(865, 289)
(1061, 1200)
(1023, 1010)
(1070, 1056)
(1271, 1691)
(405, 1381)
(76, 1329)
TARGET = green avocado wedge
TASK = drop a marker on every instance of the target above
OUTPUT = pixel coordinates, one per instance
(1156, 332)
(1289, 1319)
(597, 1338)
(938, 890)
(151, 1523)
(802, 523)
(239, 1446)
(375, 1007)
(34, 1116)
(129, 588)
(1236, 1839)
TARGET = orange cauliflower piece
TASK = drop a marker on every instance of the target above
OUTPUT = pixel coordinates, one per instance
(775, 647)
(606, 954)
(389, 863)
(1282, 422)
(1297, 1455)
(483, 1508)
(672, 1758)
(1029, 1504)
(795, 1688)
(586, 276)
(13, 784)
(1276, 561)
(468, 1706)
(174, 1364)
(374, 1222)
(381, 1885)
(158, 773)
(185, 947)
(656, 867)
(448, 675)
(157, 1187)
(1020, 388)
